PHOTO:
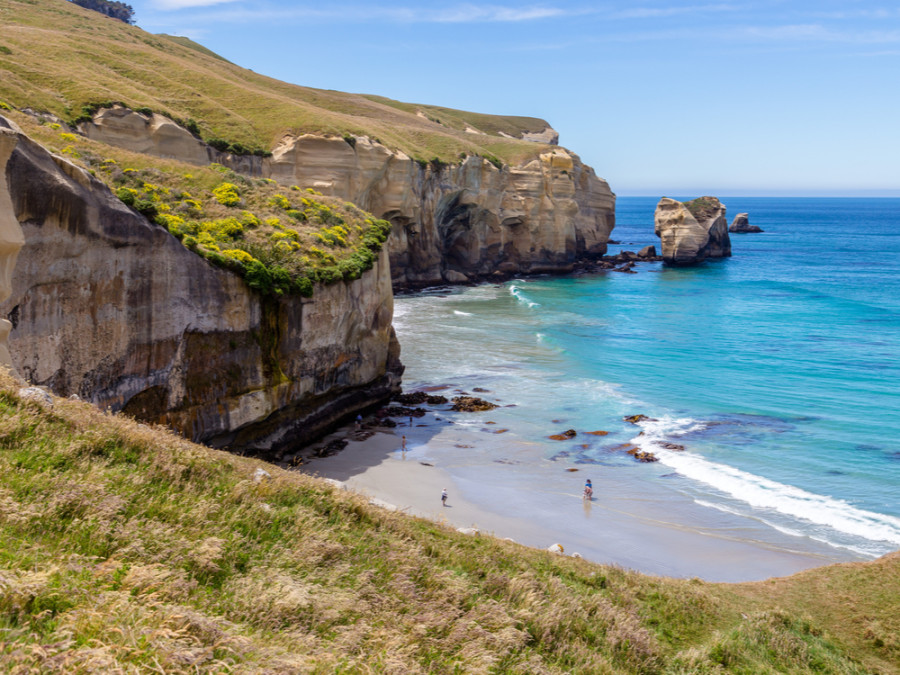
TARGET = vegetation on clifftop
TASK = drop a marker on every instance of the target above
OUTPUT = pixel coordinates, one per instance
(124, 548)
(702, 208)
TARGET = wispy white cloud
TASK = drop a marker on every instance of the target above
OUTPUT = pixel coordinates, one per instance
(664, 12)
(186, 4)
(460, 13)
(814, 32)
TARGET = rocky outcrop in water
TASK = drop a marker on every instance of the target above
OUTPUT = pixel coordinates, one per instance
(112, 308)
(741, 224)
(693, 231)
(452, 223)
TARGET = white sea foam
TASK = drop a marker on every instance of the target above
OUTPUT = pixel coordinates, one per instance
(762, 493)
(792, 532)
(458, 313)
(521, 297)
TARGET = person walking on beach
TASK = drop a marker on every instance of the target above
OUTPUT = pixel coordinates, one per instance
(358, 422)
(403, 443)
(588, 489)
(444, 497)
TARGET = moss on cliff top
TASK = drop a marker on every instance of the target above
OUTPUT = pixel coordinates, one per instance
(281, 240)
(703, 208)
(125, 548)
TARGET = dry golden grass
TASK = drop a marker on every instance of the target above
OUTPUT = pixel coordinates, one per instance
(124, 548)
(86, 58)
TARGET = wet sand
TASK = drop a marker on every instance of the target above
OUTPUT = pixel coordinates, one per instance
(624, 524)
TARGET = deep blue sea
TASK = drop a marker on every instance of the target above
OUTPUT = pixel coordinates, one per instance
(778, 369)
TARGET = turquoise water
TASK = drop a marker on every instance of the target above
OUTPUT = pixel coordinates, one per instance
(777, 369)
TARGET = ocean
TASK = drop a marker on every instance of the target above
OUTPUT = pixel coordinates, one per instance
(777, 369)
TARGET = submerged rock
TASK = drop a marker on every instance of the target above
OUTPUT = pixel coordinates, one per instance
(634, 419)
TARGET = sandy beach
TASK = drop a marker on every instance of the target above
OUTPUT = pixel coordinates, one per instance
(622, 525)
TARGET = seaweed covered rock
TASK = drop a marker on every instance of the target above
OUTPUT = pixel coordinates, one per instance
(472, 404)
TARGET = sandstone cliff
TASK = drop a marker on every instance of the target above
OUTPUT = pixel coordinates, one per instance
(692, 231)
(113, 308)
(452, 222)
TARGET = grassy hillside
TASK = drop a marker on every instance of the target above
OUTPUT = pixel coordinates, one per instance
(87, 58)
(124, 548)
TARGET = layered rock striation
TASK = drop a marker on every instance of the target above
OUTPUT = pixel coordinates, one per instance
(452, 223)
(112, 308)
(693, 231)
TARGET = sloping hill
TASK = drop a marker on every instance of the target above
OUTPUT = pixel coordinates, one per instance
(86, 58)
(124, 548)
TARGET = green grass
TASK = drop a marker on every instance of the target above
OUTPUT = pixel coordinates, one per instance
(702, 208)
(124, 548)
(86, 58)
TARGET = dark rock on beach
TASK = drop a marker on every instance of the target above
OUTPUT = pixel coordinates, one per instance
(420, 397)
(564, 436)
(472, 404)
(399, 411)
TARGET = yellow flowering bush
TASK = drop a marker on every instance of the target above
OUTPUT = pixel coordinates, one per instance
(68, 138)
(279, 202)
(239, 255)
(227, 194)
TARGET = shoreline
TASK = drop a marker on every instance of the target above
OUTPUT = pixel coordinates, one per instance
(620, 526)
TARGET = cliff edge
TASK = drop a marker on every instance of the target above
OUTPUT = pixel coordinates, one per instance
(454, 222)
(113, 308)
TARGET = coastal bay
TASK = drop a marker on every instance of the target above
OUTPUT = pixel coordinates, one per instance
(750, 363)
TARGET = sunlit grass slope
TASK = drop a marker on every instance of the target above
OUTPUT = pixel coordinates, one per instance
(58, 57)
(124, 548)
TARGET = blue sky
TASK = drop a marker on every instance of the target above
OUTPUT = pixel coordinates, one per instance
(768, 97)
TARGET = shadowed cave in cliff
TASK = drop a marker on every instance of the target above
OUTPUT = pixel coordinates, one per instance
(456, 222)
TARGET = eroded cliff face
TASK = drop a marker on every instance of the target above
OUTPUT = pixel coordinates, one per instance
(687, 239)
(110, 307)
(11, 237)
(452, 223)
(460, 221)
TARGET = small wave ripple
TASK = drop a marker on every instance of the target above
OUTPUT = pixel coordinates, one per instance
(836, 515)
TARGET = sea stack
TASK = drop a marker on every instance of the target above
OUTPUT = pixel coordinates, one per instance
(741, 224)
(693, 231)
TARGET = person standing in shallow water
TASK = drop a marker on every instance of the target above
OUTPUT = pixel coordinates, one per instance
(588, 489)
(444, 497)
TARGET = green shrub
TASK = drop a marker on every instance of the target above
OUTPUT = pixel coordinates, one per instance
(219, 144)
(127, 195)
(146, 208)
(144, 111)
(5, 50)
(192, 126)
(5, 106)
